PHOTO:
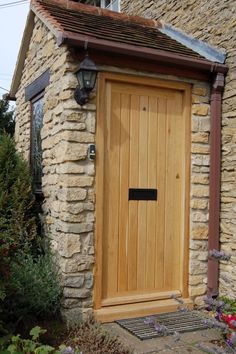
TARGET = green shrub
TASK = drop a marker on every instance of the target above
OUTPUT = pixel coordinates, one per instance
(229, 306)
(18, 345)
(17, 203)
(33, 287)
(7, 123)
(28, 276)
(17, 217)
(17, 211)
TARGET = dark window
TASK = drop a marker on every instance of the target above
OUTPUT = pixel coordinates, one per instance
(36, 143)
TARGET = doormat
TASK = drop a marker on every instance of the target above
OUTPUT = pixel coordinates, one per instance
(153, 326)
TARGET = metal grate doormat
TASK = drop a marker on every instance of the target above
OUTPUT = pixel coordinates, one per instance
(144, 327)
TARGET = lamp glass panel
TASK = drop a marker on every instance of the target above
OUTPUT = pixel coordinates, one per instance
(80, 78)
(87, 79)
(93, 78)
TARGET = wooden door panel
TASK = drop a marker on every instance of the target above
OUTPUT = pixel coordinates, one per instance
(144, 132)
(152, 206)
(133, 204)
(123, 187)
(173, 211)
(142, 171)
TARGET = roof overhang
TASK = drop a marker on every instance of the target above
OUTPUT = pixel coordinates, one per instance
(79, 41)
(141, 52)
(207, 51)
(22, 55)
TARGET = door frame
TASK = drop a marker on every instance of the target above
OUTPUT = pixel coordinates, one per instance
(185, 88)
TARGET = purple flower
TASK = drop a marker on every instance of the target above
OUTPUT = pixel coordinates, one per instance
(68, 350)
(229, 342)
(161, 329)
(183, 309)
(208, 300)
(149, 320)
(219, 255)
(219, 304)
(213, 323)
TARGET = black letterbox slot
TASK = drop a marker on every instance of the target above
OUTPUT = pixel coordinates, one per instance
(142, 194)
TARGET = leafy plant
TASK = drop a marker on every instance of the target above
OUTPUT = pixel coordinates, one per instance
(17, 217)
(2, 297)
(33, 287)
(17, 345)
(229, 307)
(7, 123)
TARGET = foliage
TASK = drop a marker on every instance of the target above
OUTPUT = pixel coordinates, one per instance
(90, 337)
(28, 276)
(33, 288)
(2, 297)
(224, 311)
(216, 319)
(17, 345)
(2, 292)
(7, 123)
(219, 255)
(17, 217)
(229, 307)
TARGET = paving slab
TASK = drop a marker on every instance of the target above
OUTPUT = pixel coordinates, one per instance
(167, 345)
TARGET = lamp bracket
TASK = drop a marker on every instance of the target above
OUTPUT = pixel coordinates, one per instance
(81, 96)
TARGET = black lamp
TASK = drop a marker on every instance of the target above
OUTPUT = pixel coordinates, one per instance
(86, 76)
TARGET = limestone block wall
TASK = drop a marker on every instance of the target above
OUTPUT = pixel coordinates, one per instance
(68, 175)
(199, 197)
(213, 21)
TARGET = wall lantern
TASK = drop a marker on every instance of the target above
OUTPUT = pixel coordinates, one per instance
(86, 76)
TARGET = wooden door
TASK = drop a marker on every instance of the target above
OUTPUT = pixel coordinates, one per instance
(142, 192)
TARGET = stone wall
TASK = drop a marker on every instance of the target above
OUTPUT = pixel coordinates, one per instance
(213, 21)
(68, 180)
(199, 201)
(69, 176)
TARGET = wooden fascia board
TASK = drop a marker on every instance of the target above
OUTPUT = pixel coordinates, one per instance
(77, 40)
(34, 11)
(105, 60)
(22, 54)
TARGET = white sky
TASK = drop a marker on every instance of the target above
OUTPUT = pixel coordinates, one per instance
(12, 23)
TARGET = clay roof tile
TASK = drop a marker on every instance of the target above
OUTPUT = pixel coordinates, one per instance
(72, 19)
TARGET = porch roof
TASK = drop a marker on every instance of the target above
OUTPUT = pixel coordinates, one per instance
(85, 26)
(75, 21)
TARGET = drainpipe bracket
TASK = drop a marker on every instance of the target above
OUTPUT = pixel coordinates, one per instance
(218, 82)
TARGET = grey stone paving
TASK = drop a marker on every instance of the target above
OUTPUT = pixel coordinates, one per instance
(166, 345)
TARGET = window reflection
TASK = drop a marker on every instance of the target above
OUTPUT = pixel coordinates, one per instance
(36, 144)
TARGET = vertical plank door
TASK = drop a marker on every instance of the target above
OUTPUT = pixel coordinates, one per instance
(143, 130)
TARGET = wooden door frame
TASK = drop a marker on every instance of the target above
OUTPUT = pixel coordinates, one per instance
(185, 88)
